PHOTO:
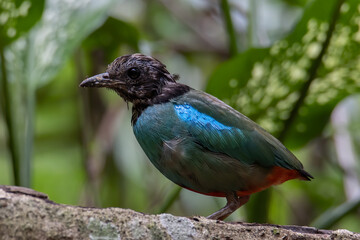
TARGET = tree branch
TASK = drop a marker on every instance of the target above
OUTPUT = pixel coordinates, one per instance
(27, 214)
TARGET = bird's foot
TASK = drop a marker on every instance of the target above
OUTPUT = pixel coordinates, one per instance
(233, 203)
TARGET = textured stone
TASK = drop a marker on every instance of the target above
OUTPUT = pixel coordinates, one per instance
(31, 215)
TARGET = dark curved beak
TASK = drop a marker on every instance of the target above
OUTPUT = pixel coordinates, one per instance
(101, 80)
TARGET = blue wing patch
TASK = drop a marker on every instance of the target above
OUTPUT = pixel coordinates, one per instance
(213, 134)
(189, 114)
(221, 129)
(201, 122)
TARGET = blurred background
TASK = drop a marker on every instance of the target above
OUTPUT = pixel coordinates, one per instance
(293, 66)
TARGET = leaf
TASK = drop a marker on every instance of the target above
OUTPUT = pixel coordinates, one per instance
(62, 29)
(17, 17)
(333, 215)
(264, 84)
(111, 35)
(346, 132)
(33, 60)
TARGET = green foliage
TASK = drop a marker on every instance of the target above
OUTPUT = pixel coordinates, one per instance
(32, 61)
(292, 87)
(17, 17)
(346, 128)
(265, 84)
(111, 35)
(333, 215)
(224, 4)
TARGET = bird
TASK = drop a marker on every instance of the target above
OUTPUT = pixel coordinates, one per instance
(193, 138)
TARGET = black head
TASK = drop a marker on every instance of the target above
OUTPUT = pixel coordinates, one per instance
(135, 77)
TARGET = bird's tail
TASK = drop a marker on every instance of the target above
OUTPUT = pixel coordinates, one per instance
(305, 175)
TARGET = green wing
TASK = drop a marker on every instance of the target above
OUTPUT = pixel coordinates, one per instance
(221, 129)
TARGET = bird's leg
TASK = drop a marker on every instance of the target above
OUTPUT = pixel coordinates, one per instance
(233, 203)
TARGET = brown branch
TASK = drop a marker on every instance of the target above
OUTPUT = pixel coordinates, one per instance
(27, 214)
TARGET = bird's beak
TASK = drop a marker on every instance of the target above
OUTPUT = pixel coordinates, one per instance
(101, 80)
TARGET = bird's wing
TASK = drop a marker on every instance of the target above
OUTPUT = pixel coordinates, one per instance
(220, 128)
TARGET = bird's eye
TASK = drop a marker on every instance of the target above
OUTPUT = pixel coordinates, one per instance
(133, 73)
